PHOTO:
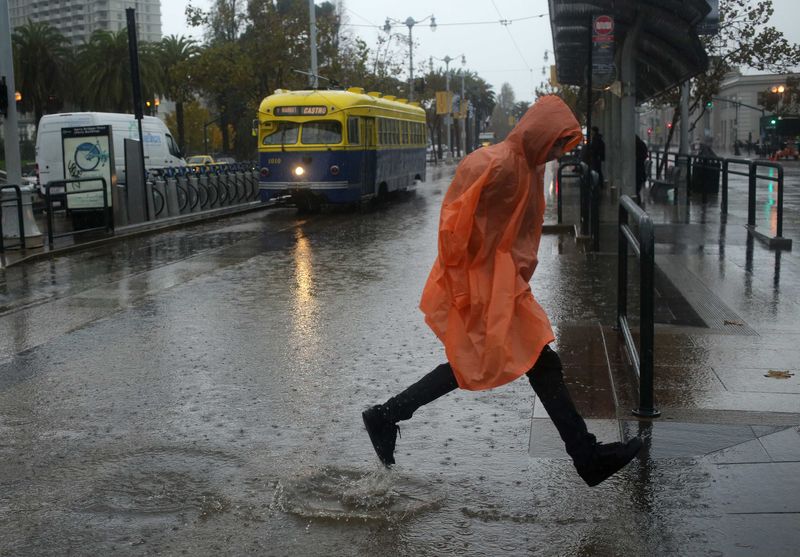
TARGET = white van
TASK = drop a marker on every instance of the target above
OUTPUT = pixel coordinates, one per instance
(160, 149)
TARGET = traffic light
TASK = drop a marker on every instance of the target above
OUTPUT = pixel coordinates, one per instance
(709, 104)
(773, 121)
(669, 125)
(649, 131)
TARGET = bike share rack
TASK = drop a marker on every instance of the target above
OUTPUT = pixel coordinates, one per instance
(176, 191)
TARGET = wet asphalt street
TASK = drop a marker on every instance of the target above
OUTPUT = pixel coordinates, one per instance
(198, 392)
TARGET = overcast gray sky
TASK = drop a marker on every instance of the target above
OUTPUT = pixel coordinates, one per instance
(499, 53)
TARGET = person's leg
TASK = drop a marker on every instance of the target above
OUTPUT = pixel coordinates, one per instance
(381, 420)
(594, 461)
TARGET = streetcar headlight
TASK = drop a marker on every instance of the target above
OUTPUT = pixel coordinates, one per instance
(335, 170)
(264, 171)
(299, 171)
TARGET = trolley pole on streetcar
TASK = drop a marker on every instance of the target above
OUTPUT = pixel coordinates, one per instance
(410, 22)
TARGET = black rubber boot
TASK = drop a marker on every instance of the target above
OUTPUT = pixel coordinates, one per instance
(381, 420)
(594, 461)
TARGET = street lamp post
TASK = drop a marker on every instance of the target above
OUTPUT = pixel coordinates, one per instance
(463, 100)
(449, 117)
(410, 22)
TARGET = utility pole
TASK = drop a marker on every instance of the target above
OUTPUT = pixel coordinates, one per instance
(449, 118)
(466, 112)
(312, 14)
(11, 124)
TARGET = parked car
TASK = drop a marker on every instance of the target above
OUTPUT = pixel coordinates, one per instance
(200, 160)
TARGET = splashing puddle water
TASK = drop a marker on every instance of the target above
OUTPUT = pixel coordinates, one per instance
(349, 494)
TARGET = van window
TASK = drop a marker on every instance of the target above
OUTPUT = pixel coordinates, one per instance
(173, 147)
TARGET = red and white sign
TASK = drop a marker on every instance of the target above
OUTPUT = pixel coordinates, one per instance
(603, 25)
(603, 29)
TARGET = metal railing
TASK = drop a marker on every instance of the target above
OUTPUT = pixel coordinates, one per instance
(777, 241)
(62, 184)
(643, 247)
(590, 206)
(726, 172)
(20, 221)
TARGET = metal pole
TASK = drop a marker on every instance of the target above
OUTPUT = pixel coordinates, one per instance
(133, 54)
(684, 144)
(449, 119)
(589, 88)
(13, 162)
(463, 130)
(312, 14)
(751, 196)
(410, 22)
(628, 110)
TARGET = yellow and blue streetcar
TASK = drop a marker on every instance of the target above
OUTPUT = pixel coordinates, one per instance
(338, 147)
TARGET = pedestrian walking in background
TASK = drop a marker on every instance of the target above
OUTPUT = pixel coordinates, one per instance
(478, 299)
(641, 165)
(597, 152)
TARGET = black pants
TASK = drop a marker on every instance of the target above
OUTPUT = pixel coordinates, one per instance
(547, 381)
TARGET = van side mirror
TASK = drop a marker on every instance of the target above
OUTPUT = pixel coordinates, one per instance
(254, 131)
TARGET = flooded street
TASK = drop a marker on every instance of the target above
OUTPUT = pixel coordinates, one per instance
(199, 392)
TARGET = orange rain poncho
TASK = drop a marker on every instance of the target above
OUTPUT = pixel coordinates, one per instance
(478, 298)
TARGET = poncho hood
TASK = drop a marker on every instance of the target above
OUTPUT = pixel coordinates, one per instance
(543, 124)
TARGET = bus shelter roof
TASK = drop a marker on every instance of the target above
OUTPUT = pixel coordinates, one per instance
(668, 51)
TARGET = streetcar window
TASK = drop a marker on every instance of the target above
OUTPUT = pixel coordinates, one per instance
(404, 133)
(323, 131)
(384, 130)
(284, 133)
(352, 131)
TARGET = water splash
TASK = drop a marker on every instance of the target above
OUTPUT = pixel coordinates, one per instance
(343, 494)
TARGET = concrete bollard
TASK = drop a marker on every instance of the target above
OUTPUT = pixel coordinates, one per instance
(10, 216)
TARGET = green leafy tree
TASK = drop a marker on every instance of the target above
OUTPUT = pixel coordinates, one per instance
(105, 76)
(174, 54)
(41, 57)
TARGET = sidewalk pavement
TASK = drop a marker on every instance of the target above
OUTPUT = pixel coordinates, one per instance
(727, 346)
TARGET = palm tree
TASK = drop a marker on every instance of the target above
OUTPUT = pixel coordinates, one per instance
(105, 76)
(41, 55)
(173, 55)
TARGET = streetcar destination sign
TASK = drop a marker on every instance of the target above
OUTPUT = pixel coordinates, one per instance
(301, 110)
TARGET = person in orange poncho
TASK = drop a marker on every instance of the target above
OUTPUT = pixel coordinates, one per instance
(478, 299)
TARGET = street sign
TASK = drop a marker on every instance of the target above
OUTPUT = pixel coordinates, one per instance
(603, 69)
(603, 28)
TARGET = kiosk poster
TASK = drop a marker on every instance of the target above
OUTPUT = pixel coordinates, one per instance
(88, 153)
